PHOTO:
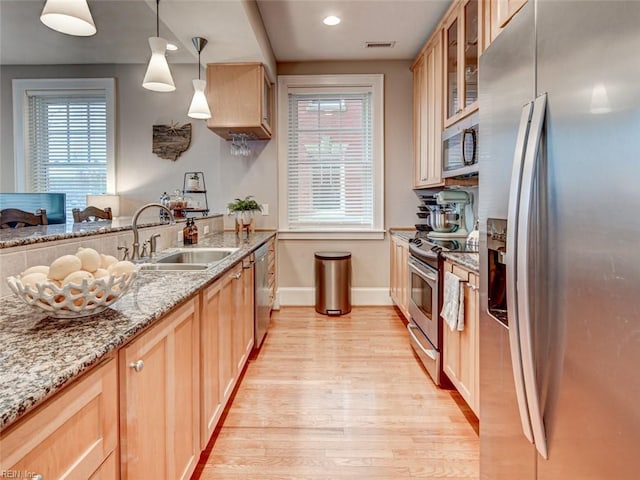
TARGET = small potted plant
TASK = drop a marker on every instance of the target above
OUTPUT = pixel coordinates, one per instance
(244, 209)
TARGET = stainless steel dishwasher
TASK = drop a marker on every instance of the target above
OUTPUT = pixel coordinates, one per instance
(261, 303)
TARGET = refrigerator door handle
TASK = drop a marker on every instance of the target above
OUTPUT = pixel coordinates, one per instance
(522, 272)
(510, 260)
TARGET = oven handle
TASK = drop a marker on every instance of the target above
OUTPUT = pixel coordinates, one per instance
(433, 276)
(429, 353)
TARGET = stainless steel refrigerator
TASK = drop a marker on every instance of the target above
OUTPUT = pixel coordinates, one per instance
(559, 209)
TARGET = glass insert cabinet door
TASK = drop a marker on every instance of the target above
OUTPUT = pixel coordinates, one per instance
(462, 30)
(470, 53)
(452, 69)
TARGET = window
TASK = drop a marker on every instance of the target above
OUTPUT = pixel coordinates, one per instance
(331, 156)
(64, 138)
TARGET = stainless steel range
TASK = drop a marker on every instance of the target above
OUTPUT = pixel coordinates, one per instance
(425, 299)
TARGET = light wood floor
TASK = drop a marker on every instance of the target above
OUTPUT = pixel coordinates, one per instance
(341, 398)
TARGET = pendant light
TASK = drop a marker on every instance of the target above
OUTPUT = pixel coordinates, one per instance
(199, 107)
(158, 77)
(72, 17)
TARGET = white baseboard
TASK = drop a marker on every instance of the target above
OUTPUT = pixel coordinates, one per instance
(306, 296)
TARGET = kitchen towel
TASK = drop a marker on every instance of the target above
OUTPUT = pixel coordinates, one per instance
(453, 302)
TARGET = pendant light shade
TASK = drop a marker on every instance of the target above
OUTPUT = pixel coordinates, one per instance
(72, 17)
(199, 107)
(158, 77)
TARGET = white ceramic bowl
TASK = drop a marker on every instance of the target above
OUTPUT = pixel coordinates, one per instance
(73, 300)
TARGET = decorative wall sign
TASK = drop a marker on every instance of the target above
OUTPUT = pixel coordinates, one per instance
(169, 141)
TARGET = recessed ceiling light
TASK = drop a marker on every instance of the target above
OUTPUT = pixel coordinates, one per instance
(172, 47)
(331, 20)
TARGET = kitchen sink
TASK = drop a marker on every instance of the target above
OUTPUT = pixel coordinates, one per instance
(197, 255)
(193, 267)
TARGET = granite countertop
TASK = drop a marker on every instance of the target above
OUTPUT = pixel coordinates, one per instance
(470, 261)
(13, 237)
(39, 354)
(465, 259)
(402, 233)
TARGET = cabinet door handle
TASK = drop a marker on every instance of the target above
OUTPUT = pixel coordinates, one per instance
(137, 366)
(472, 287)
(237, 276)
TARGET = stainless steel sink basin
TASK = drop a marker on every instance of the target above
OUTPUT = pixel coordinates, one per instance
(197, 255)
(193, 267)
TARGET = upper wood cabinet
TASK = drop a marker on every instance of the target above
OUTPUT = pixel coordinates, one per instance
(463, 44)
(497, 14)
(73, 435)
(240, 96)
(159, 398)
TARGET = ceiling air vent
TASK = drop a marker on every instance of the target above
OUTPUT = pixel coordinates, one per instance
(380, 44)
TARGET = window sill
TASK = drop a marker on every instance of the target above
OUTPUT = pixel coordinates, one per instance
(331, 235)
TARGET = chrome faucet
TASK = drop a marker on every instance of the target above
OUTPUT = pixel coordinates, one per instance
(135, 254)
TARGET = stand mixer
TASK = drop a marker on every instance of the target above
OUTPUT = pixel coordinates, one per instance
(448, 217)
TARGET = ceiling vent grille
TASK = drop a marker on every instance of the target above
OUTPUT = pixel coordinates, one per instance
(380, 44)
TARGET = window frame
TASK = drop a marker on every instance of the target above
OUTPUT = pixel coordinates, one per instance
(319, 84)
(21, 121)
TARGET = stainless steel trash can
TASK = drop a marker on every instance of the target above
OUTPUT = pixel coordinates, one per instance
(333, 282)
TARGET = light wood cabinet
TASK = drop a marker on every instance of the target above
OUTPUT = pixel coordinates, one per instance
(463, 29)
(243, 311)
(72, 435)
(211, 392)
(497, 14)
(159, 398)
(226, 319)
(461, 347)
(427, 114)
(271, 262)
(240, 96)
(226, 341)
(399, 274)
(248, 304)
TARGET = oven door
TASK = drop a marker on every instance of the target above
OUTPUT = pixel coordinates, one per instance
(423, 299)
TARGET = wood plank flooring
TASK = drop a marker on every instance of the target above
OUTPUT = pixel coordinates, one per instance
(341, 398)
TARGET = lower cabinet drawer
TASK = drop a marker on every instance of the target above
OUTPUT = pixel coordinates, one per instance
(71, 435)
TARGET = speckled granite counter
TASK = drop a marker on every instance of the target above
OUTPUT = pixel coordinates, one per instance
(38, 355)
(403, 234)
(470, 261)
(13, 237)
(465, 259)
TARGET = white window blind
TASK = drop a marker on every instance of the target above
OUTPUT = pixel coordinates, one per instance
(330, 174)
(66, 139)
(68, 145)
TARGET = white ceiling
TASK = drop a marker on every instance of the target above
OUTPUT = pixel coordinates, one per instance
(297, 33)
(294, 28)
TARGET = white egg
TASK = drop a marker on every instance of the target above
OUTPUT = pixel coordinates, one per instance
(63, 266)
(107, 260)
(37, 269)
(90, 259)
(76, 278)
(101, 273)
(123, 267)
(33, 279)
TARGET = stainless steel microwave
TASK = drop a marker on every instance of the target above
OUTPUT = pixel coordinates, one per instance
(460, 147)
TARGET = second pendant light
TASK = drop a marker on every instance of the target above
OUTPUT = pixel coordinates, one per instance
(199, 107)
(158, 76)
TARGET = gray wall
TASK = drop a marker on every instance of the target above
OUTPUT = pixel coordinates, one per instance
(141, 176)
